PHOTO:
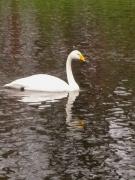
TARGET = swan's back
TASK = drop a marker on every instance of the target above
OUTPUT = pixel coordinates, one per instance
(40, 82)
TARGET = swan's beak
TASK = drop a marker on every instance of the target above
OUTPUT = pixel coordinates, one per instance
(82, 58)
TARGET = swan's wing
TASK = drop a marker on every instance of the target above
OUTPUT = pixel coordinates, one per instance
(40, 82)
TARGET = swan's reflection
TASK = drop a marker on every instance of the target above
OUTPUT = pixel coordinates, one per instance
(37, 98)
(71, 99)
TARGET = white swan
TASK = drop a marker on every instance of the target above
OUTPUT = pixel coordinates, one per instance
(44, 82)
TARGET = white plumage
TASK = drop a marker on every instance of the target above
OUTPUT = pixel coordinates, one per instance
(44, 82)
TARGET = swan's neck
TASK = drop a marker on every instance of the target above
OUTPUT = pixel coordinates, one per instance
(71, 81)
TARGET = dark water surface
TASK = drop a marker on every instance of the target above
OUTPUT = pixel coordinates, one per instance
(76, 136)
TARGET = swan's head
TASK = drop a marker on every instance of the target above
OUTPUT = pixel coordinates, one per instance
(77, 55)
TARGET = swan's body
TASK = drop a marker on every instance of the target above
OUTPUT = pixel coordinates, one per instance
(40, 82)
(44, 82)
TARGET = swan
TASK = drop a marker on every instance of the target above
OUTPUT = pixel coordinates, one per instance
(48, 83)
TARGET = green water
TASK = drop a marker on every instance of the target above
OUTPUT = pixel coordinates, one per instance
(79, 136)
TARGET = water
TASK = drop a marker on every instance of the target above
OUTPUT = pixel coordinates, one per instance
(85, 135)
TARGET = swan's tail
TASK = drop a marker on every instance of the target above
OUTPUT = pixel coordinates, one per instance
(7, 85)
(11, 85)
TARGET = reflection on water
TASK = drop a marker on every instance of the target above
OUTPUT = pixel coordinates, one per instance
(41, 99)
(85, 135)
(71, 98)
(37, 98)
(119, 129)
